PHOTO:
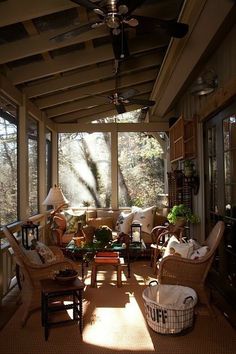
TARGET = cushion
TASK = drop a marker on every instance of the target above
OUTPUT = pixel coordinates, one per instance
(108, 221)
(73, 219)
(124, 222)
(167, 249)
(195, 243)
(44, 252)
(200, 252)
(32, 255)
(181, 249)
(145, 217)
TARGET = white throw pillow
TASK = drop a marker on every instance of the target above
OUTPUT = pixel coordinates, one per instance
(124, 222)
(200, 252)
(195, 243)
(167, 250)
(145, 217)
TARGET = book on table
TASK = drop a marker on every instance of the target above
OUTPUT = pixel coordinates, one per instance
(107, 257)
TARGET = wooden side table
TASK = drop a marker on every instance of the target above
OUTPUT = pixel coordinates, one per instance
(52, 290)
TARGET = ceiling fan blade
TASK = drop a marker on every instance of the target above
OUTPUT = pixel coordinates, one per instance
(145, 103)
(120, 108)
(88, 4)
(129, 93)
(76, 31)
(172, 27)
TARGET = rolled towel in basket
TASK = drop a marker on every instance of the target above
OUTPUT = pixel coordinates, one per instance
(174, 295)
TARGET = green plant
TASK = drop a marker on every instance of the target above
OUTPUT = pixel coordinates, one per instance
(182, 211)
(103, 235)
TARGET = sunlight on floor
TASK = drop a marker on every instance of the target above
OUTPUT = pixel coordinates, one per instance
(127, 326)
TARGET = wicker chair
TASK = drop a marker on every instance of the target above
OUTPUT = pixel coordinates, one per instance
(160, 236)
(32, 273)
(192, 273)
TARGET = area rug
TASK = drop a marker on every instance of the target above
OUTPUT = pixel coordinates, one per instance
(115, 321)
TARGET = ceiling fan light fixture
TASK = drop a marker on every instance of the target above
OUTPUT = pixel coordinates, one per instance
(113, 20)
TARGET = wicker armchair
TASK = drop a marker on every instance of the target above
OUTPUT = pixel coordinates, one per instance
(32, 273)
(192, 273)
(160, 236)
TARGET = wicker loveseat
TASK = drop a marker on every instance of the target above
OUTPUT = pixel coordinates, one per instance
(99, 217)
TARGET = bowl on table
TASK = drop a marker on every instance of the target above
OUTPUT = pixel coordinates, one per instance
(66, 275)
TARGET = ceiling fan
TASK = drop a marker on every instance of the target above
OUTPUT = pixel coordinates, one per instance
(120, 99)
(116, 14)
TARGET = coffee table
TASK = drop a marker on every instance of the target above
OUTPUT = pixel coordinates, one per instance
(86, 253)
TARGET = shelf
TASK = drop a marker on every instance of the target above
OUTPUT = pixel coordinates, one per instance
(183, 140)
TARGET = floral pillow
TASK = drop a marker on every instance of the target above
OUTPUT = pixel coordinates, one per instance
(72, 221)
(46, 255)
(32, 256)
(181, 249)
(176, 248)
(144, 217)
(124, 222)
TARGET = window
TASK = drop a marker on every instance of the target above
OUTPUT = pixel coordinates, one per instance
(32, 131)
(48, 160)
(8, 162)
(141, 169)
(85, 168)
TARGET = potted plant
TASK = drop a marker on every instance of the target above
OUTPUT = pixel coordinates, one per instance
(182, 213)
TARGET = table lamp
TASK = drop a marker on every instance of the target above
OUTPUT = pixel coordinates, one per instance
(55, 198)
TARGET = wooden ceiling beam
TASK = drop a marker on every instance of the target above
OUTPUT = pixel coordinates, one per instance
(42, 42)
(87, 76)
(96, 89)
(88, 102)
(78, 59)
(13, 11)
(32, 31)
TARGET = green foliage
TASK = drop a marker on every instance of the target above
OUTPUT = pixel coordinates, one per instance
(182, 211)
(103, 235)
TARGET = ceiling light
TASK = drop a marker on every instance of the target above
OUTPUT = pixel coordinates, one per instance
(205, 84)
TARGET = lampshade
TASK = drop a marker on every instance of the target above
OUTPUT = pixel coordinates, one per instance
(55, 197)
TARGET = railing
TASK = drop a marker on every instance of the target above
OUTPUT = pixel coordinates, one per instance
(7, 264)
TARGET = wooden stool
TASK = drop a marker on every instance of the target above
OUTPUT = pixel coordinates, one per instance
(104, 259)
(53, 290)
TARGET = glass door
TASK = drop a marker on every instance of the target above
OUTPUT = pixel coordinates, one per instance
(220, 193)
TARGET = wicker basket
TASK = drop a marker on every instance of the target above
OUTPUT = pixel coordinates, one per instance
(169, 318)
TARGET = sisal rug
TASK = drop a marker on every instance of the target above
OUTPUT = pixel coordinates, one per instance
(115, 322)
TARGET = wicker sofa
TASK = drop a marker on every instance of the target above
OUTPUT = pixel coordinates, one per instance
(93, 218)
